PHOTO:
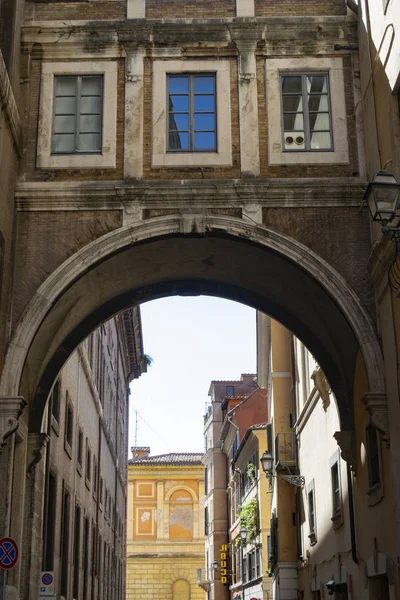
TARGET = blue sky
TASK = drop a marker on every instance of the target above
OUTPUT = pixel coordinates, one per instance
(191, 341)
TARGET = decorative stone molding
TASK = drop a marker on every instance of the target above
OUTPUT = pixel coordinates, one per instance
(11, 408)
(376, 405)
(9, 106)
(322, 386)
(36, 444)
(346, 443)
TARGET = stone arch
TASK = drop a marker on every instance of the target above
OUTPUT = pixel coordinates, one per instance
(177, 488)
(220, 256)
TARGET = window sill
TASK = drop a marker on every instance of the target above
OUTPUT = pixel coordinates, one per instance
(68, 449)
(375, 494)
(337, 520)
(313, 539)
(55, 426)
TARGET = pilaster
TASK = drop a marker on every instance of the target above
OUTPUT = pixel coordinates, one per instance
(136, 9)
(129, 518)
(248, 107)
(160, 509)
(133, 151)
(245, 8)
(33, 521)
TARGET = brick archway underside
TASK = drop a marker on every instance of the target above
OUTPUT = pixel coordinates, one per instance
(110, 276)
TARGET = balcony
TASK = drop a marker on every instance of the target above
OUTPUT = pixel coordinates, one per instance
(285, 450)
(202, 581)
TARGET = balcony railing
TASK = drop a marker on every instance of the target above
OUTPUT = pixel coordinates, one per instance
(285, 450)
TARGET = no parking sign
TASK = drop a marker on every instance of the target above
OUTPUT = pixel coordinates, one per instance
(46, 587)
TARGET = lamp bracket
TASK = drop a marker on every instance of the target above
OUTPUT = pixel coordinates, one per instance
(296, 480)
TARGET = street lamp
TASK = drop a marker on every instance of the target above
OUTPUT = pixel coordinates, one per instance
(243, 534)
(382, 196)
(267, 463)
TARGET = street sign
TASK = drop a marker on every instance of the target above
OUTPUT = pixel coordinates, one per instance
(46, 586)
(8, 553)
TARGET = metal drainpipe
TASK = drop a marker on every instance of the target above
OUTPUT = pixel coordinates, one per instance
(351, 514)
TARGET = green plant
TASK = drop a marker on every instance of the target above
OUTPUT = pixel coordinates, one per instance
(251, 471)
(148, 360)
(248, 518)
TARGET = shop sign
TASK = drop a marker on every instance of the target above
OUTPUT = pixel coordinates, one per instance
(223, 563)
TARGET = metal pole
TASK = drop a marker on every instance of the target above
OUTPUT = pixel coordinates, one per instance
(4, 584)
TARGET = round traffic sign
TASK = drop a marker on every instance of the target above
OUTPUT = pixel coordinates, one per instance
(8, 553)
(47, 578)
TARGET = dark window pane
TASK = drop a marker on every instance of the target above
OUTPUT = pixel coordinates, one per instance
(204, 122)
(317, 84)
(178, 141)
(204, 141)
(90, 124)
(65, 105)
(65, 86)
(320, 141)
(204, 85)
(64, 124)
(178, 85)
(90, 142)
(180, 122)
(91, 86)
(291, 84)
(179, 103)
(318, 103)
(204, 103)
(292, 103)
(293, 121)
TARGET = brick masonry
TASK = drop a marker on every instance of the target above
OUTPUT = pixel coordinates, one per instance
(294, 8)
(46, 239)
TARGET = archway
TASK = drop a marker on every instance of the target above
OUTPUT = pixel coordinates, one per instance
(220, 256)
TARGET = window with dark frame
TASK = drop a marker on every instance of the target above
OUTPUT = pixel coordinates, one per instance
(50, 522)
(373, 456)
(86, 540)
(306, 112)
(336, 500)
(55, 401)
(230, 391)
(69, 425)
(79, 453)
(311, 512)
(77, 114)
(88, 473)
(192, 113)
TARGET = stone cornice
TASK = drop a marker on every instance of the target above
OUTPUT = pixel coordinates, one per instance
(292, 30)
(289, 193)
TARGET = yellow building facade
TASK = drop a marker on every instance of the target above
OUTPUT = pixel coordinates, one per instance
(165, 526)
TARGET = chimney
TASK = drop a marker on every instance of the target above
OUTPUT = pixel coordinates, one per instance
(140, 452)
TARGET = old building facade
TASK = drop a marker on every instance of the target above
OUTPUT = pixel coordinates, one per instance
(81, 507)
(196, 148)
(165, 526)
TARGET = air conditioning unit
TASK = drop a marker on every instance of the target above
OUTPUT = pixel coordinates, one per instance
(299, 140)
